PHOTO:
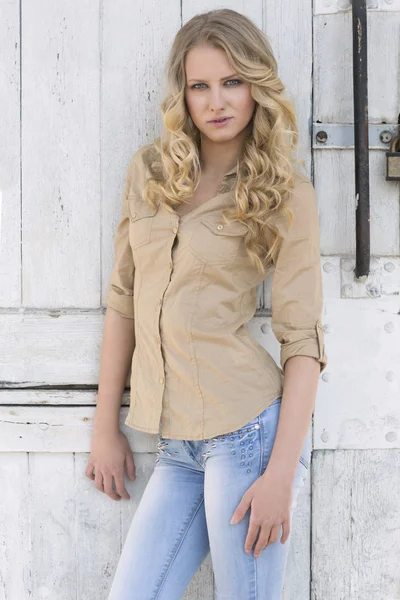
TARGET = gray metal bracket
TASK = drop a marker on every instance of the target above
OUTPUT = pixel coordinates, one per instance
(341, 135)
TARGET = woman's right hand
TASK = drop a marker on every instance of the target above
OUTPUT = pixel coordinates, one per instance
(110, 453)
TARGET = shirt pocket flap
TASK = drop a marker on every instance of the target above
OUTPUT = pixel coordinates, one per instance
(217, 226)
(138, 209)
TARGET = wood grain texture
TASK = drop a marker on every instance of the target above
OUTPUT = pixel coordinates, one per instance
(355, 550)
(60, 154)
(10, 155)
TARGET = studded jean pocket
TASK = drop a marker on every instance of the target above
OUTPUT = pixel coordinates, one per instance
(167, 448)
(243, 445)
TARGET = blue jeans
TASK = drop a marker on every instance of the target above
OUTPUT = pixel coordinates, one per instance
(184, 514)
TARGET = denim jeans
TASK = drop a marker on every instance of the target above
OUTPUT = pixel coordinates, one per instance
(184, 514)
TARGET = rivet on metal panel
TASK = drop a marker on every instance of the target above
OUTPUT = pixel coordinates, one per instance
(348, 265)
(346, 290)
(322, 136)
(372, 291)
(389, 267)
(374, 264)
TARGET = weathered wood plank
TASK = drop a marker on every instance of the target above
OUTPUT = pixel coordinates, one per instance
(60, 154)
(337, 203)
(333, 87)
(10, 180)
(16, 519)
(57, 429)
(355, 550)
(63, 349)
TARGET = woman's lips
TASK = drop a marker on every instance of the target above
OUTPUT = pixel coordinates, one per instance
(221, 122)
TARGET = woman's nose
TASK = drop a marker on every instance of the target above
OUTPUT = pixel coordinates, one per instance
(216, 99)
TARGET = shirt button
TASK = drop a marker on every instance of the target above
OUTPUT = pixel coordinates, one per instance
(175, 230)
(220, 226)
(161, 379)
(133, 215)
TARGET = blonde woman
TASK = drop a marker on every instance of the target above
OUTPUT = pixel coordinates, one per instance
(209, 209)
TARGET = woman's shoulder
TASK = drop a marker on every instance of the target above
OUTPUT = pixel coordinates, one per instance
(300, 178)
(143, 156)
(139, 166)
(301, 201)
(302, 194)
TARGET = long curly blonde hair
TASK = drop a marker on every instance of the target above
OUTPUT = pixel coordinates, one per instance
(265, 172)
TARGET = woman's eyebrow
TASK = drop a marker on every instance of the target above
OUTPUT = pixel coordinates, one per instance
(222, 78)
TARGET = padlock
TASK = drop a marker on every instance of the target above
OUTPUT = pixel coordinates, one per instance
(393, 161)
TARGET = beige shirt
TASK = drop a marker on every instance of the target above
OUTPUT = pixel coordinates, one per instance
(190, 286)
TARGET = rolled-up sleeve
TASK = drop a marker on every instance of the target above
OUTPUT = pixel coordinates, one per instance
(120, 291)
(296, 294)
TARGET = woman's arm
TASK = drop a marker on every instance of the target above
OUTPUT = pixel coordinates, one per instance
(115, 361)
(299, 391)
(119, 332)
(296, 312)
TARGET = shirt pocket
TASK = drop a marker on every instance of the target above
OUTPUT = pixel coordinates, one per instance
(140, 221)
(216, 242)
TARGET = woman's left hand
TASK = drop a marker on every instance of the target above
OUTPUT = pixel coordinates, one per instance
(270, 500)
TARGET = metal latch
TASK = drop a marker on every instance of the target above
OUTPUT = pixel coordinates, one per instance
(393, 161)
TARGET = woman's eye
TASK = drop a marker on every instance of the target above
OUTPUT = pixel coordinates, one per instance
(194, 87)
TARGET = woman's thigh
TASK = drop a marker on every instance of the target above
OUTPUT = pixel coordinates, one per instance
(167, 540)
(236, 462)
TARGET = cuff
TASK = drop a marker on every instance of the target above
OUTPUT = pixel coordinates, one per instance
(305, 342)
(121, 303)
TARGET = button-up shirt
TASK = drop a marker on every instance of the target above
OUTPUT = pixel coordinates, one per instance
(189, 284)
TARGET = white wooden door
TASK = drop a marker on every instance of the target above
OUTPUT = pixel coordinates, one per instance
(81, 87)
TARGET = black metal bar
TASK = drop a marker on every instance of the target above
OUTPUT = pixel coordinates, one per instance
(361, 142)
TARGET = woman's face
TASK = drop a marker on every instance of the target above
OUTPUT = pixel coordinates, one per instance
(213, 91)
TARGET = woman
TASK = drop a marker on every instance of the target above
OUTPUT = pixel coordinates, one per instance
(207, 210)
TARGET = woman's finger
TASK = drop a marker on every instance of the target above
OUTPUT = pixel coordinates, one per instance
(120, 483)
(108, 487)
(262, 541)
(98, 480)
(89, 472)
(274, 535)
(251, 536)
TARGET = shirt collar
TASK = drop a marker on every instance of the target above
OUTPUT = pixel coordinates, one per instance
(231, 172)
